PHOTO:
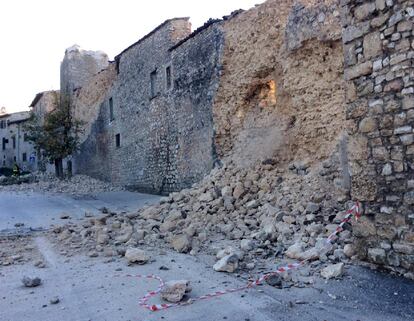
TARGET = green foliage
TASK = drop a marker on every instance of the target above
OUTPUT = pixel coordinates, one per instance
(57, 135)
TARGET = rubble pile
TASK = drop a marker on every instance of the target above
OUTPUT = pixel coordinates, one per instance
(77, 184)
(243, 216)
(19, 250)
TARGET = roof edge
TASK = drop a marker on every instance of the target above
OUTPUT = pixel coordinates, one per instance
(117, 57)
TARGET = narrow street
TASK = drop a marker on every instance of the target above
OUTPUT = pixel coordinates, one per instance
(39, 210)
(90, 288)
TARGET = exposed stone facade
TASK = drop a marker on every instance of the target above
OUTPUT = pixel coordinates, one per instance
(379, 70)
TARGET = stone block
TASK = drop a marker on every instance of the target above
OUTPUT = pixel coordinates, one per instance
(353, 32)
(409, 198)
(368, 125)
(380, 20)
(405, 248)
(395, 85)
(372, 45)
(377, 255)
(359, 70)
(363, 11)
(403, 130)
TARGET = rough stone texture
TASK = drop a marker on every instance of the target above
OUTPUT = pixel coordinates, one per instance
(166, 131)
(78, 67)
(379, 102)
(174, 291)
(134, 255)
(333, 271)
(275, 100)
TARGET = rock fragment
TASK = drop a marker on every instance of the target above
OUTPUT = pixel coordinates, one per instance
(333, 271)
(174, 291)
(134, 255)
(229, 264)
(181, 243)
(31, 282)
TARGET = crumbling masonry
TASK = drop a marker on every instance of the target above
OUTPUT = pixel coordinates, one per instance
(299, 82)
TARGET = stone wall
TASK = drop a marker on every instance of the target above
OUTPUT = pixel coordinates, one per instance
(281, 92)
(164, 126)
(78, 67)
(378, 51)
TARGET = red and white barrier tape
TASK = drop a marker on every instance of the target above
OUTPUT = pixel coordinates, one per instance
(143, 302)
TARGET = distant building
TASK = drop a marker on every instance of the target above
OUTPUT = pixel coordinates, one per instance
(44, 103)
(15, 147)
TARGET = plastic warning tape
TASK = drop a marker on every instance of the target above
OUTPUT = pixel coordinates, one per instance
(355, 210)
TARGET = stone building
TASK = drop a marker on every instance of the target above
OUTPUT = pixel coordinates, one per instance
(307, 81)
(78, 66)
(379, 72)
(44, 103)
(153, 128)
(15, 148)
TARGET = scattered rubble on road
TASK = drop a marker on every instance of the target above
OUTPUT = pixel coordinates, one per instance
(76, 185)
(18, 250)
(247, 217)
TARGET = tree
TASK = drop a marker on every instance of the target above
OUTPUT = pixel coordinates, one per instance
(57, 135)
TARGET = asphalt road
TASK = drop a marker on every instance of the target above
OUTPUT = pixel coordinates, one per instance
(39, 210)
(88, 288)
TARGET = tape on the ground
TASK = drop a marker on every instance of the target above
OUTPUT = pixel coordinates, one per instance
(143, 302)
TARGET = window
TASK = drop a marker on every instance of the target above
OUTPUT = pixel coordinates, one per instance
(111, 109)
(14, 142)
(24, 157)
(153, 79)
(168, 77)
(118, 140)
(25, 137)
(2, 124)
(5, 141)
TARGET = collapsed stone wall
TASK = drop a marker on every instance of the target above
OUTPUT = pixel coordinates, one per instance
(281, 91)
(379, 56)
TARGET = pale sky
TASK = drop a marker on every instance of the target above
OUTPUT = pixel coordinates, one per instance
(35, 33)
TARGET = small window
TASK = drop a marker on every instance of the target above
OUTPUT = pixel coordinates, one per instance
(168, 77)
(111, 109)
(14, 158)
(24, 157)
(118, 140)
(4, 142)
(153, 79)
(2, 124)
(14, 142)
(25, 137)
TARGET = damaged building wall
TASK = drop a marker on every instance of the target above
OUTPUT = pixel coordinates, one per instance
(281, 92)
(379, 56)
